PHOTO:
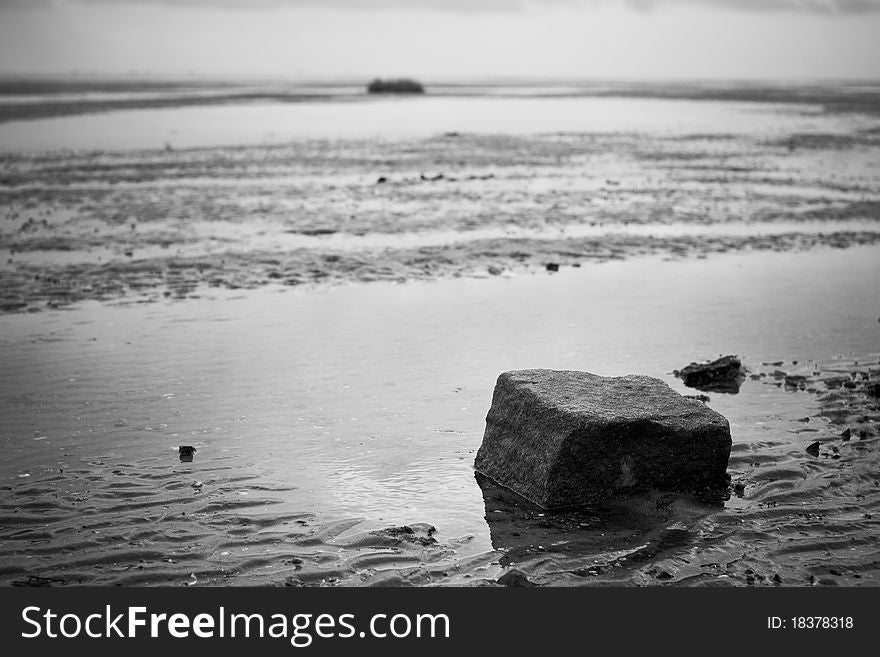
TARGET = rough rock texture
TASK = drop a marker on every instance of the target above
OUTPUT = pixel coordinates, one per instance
(563, 438)
(725, 374)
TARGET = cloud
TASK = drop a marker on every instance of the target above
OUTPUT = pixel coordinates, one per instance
(828, 7)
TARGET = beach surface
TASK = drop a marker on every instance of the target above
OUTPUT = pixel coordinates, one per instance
(320, 300)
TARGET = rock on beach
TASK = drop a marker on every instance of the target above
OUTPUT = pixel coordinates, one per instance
(725, 374)
(565, 438)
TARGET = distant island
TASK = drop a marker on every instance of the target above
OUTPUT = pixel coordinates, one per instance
(398, 86)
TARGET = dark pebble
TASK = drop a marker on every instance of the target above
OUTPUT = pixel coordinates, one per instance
(186, 453)
(515, 578)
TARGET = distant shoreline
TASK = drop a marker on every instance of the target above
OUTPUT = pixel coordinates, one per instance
(24, 98)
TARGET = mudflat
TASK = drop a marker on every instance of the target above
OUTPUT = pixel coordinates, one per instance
(323, 320)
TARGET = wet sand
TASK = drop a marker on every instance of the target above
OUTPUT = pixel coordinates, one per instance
(324, 319)
(106, 225)
(327, 419)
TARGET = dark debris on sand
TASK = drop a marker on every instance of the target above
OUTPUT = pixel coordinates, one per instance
(725, 374)
(39, 581)
(846, 393)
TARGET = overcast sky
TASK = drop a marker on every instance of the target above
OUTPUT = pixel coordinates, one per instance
(436, 39)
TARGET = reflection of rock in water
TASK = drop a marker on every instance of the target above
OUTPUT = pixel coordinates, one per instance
(643, 539)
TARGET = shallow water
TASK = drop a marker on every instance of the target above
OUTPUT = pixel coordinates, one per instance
(320, 415)
(398, 118)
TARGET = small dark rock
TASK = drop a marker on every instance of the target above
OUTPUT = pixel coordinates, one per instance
(777, 579)
(314, 232)
(186, 453)
(515, 578)
(552, 266)
(417, 533)
(725, 374)
(813, 449)
(381, 180)
(846, 435)
(795, 381)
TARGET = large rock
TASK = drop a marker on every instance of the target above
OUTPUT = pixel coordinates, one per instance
(562, 438)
